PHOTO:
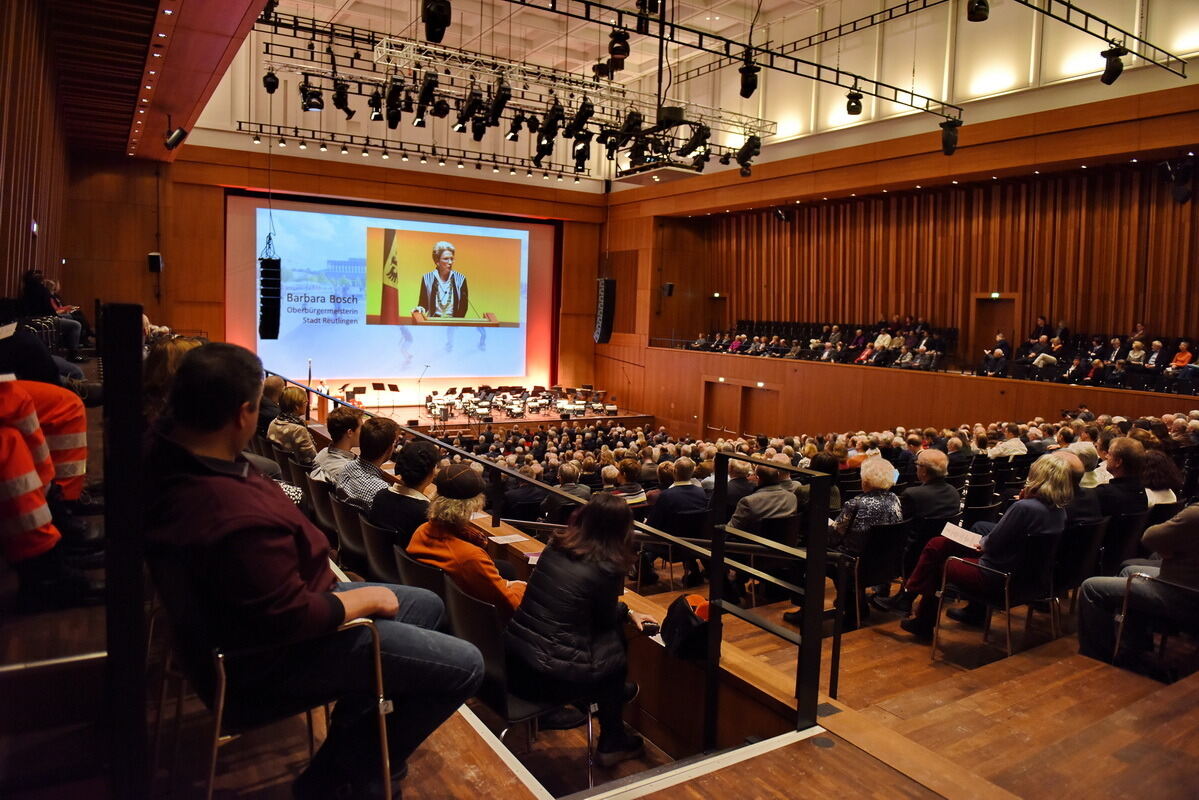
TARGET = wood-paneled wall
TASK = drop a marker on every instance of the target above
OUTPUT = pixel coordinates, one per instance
(1099, 248)
(33, 152)
(684, 391)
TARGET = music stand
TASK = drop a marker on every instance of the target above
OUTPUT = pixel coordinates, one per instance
(394, 390)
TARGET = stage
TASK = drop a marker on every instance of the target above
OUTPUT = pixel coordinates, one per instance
(457, 424)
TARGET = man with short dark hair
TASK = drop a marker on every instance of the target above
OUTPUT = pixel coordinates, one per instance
(555, 508)
(257, 573)
(402, 507)
(344, 425)
(683, 496)
(363, 478)
(268, 409)
(1123, 494)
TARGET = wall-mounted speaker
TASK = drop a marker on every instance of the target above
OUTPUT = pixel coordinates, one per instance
(668, 290)
(154, 261)
(269, 281)
(605, 308)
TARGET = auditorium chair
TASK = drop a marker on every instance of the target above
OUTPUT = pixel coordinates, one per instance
(1166, 627)
(380, 560)
(689, 525)
(206, 669)
(349, 534)
(920, 531)
(320, 499)
(1030, 583)
(979, 494)
(295, 472)
(1162, 512)
(528, 511)
(1077, 559)
(481, 624)
(418, 574)
(987, 513)
(1122, 540)
(879, 563)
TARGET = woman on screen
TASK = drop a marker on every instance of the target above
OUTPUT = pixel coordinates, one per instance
(443, 291)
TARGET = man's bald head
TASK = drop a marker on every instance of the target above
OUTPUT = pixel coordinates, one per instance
(1073, 462)
(934, 463)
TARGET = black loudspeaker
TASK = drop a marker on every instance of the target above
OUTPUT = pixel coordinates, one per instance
(564, 416)
(668, 290)
(269, 280)
(605, 307)
(412, 423)
(154, 261)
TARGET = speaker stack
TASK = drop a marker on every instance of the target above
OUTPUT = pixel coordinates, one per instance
(605, 307)
(269, 282)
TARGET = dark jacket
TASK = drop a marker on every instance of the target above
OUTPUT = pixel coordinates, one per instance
(556, 509)
(933, 500)
(571, 622)
(268, 411)
(1003, 547)
(1121, 496)
(1084, 509)
(738, 488)
(399, 513)
(676, 500)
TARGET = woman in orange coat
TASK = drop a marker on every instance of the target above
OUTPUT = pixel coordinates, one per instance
(450, 542)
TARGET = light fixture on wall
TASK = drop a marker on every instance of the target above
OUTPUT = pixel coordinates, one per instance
(1114, 66)
(949, 136)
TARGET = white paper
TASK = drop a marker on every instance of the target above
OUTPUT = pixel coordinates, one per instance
(956, 533)
(8, 330)
(480, 515)
(534, 557)
(657, 637)
(509, 539)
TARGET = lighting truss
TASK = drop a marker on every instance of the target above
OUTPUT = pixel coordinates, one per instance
(685, 36)
(533, 88)
(861, 24)
(1101, 29)
(269, 131)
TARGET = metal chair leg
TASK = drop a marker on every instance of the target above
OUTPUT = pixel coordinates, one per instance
(670, 565)
(590, 749)
(1007, 615)
(937, 624)
(987, 624)
(218, 713)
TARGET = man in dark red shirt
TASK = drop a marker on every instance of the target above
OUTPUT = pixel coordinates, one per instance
(256, 573)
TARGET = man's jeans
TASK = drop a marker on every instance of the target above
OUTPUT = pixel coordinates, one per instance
(427, 675)
(1100, 599)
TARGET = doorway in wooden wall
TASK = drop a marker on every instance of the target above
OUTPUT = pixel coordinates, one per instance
(989, 314)
(722, 410)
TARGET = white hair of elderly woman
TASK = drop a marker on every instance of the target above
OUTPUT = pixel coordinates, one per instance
(877, 473)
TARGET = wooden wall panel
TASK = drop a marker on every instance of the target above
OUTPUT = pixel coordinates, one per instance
(1098, 248)
(33, 151)
(576, 314)
(815, 397)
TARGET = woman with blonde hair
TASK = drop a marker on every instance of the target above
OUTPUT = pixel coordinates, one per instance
(159, 370)
(451, 543)
(288, 429)
(1038, 511)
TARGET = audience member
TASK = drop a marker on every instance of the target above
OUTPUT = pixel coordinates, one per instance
(933, 498)
(344, 425)
(404, 506)
(1124, 493)
(288, 430)
(272, 390)
(363, 478)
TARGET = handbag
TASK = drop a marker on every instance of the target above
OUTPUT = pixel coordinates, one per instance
(685, 629)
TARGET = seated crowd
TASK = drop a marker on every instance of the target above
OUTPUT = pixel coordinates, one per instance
(565, 627)
(907, 343)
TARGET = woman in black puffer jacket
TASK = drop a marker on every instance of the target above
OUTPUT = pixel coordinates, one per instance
(566, 641)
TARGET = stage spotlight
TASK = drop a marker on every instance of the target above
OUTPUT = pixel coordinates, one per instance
(853, 103)
(749, 76)
(384, 155)
(553, 120)
(174, 138)
(407, 102)
(311, 98)
(427, 88)
(324, 147)
(470, 106)
(441, 108)
(345, 151)
(375, 102)
(518, 121)
(394, 89)
(1179, 174)
(436, 16)
(584, 113)
(978, 10)
(746, 171)
(1114, 65)
(618, 50)
(643, 17)
(637, 153)
(601, 70)
(629, 128)
(282, 143)
(257, 139)
(949, 136)
(499, 99)
(748, 152)
(582, 149)
(270, 81)
(726, 158)
(303, 145)
(607, 140)
(699, 138)
(478, 128)
(701, 160)
(532, 123)
(341, 98)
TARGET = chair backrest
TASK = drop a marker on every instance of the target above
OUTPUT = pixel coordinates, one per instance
(784, 530)
(349, 533)
(957, 481)
(1162, 512)
(881, 559)
(380, 560)
(419, 574)
(279, 454)
(321, 497)
(979, 494)
(295, 471)
(1123, 539)
(1033, 579)
(190, 638)
(975, 514)
(481, 624)
(528, 510)
(1077, 555)
(690, 525)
